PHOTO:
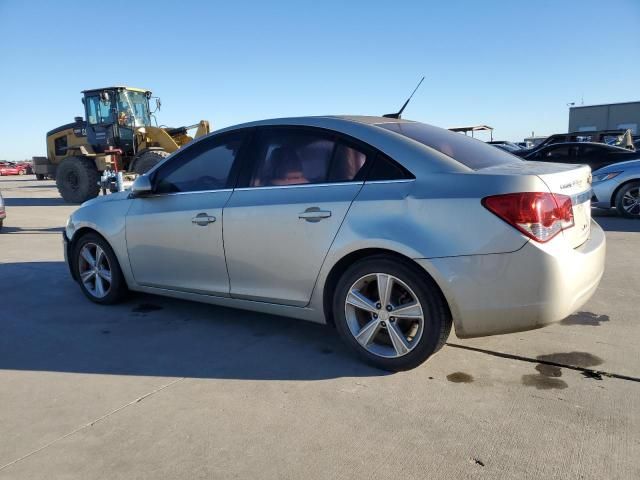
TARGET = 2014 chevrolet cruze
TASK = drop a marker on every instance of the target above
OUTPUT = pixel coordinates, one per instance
(389, 229)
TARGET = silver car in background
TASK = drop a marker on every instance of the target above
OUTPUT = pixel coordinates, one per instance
(618, 186)
(391, 230)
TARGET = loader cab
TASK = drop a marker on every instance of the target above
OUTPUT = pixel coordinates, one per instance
(112, 114)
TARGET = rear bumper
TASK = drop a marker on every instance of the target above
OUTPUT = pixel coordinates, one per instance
(511, 292)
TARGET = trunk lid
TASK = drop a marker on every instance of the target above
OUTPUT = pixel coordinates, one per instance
(565, 179)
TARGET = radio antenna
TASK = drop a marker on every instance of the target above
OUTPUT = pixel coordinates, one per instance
(398, 115)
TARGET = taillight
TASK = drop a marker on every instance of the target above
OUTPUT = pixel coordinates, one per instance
(538, 215)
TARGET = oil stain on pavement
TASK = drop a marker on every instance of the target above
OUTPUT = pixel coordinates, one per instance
(574, 359)
(146, 308)
(460, 377)
(548, 374)
(542, 382)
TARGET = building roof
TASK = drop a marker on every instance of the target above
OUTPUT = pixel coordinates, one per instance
(604, 104)
(473, 128)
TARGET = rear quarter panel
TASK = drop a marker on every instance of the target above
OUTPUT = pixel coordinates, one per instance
(440, 215)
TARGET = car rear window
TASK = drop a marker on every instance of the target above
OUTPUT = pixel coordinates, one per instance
(468, 151)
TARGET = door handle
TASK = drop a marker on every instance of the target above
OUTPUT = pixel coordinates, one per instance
(314, 214)
(203, 219)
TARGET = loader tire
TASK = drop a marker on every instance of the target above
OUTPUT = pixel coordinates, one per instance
(77, 179)
(148, 160)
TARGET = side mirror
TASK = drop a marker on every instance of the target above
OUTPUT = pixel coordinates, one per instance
(141, 186)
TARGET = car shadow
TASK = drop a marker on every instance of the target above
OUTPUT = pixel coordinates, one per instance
(611, 221)
(20, 230)
(48, 325)
(34, 202)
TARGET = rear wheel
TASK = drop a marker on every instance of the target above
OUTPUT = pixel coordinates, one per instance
(628, 200)
(98, 271)
(390, 314)
(39, 176)
(21, 172)
(77, 179)
(148, 160)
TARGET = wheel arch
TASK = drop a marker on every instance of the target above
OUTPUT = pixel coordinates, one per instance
(346, 261)
(620, 187)
(77, 235)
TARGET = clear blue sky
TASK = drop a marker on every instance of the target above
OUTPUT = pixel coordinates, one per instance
(510, 64)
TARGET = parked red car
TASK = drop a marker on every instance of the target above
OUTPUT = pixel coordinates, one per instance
(9, 169)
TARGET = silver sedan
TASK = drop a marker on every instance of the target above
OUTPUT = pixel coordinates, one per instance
(388, 229)
(618, 186)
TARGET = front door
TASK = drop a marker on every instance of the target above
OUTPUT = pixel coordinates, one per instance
(174, 236)
(278, 229)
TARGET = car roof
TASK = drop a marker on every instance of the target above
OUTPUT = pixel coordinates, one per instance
(592, 144)
(117, 87)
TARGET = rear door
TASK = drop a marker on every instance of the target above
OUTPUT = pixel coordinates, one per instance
(278, 228)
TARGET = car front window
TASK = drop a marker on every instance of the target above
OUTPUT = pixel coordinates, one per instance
(204, 166)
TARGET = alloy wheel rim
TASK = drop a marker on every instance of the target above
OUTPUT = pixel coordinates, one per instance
(631, 201)
(94, 270)
(384, 315)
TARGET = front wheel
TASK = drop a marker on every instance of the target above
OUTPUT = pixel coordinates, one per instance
(97, 270)
(390, 313)
(628, 200)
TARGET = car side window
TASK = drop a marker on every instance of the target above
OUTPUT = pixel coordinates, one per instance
(559, 154)
(384, 168)
(202, 167)
(575, 153)
(347, 163)
(291, 157)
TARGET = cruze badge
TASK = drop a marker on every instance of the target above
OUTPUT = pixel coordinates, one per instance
(572, 184)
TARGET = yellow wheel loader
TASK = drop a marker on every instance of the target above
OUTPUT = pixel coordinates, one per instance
(116, 137)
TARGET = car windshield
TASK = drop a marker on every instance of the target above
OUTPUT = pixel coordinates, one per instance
(133, 109)
(468, 151)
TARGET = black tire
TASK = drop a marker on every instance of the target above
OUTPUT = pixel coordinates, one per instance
(1, 223)
(40, 176)
(630, 189)
(77, 179)
(437, 318)
(148, 160)
(118, 288)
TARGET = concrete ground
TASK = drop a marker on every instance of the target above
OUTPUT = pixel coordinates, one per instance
(159, 388)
